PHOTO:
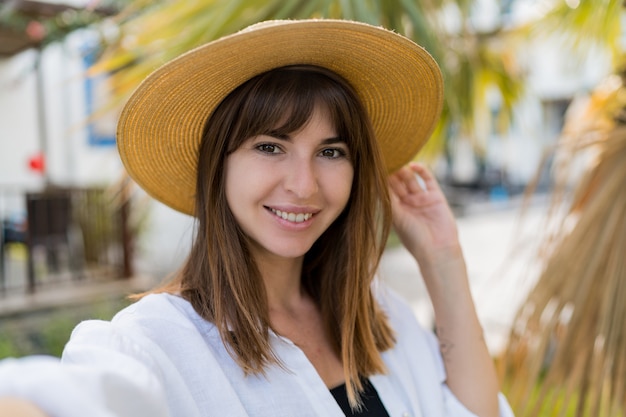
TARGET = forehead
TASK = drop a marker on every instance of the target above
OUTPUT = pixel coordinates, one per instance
(282, 102)
(319, 123)
(295, 118)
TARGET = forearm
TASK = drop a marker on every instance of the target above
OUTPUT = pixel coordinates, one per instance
(16, 407)
(471, 375)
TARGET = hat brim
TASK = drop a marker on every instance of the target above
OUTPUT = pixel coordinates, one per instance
(161, 125)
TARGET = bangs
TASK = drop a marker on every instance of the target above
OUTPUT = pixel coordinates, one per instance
(281, 101)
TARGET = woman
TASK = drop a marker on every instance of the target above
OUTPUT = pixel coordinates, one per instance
(279, 140)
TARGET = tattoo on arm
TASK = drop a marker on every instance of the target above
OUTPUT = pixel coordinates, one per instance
(445, 345)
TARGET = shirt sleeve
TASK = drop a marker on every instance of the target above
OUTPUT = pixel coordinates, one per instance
(420, 356)
(100, 377)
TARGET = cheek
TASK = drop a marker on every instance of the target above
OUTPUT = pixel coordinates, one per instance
(233, 183)
(244, 184)
(340, 186)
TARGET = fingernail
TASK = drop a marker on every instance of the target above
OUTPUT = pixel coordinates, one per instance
(421, 182)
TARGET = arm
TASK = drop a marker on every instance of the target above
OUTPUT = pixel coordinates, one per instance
(16, 407)
(109, 376)
(426, 227)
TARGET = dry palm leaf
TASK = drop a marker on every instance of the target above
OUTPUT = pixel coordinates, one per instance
(567, 351)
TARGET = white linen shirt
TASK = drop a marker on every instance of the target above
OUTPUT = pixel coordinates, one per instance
(158, 358)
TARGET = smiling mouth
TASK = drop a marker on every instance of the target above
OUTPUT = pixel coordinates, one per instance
(292, 217)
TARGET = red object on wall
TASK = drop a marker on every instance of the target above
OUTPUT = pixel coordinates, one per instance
(36, 30)
(37, 163)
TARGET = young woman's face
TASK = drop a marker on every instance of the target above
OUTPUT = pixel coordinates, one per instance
(285, 191)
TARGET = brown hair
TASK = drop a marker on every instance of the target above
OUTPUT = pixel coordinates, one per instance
(220, 278)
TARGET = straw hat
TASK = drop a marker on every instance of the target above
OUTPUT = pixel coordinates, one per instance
(161, 126)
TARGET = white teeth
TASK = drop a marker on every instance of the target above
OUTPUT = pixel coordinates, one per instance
(293, 217)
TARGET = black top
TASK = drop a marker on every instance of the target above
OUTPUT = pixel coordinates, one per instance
(372, 406)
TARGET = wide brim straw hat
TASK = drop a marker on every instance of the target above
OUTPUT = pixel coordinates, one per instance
(161, 126)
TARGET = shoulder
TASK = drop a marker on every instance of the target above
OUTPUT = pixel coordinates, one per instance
(416, 347)
(399, 312)
(161, 308)
(152, 320)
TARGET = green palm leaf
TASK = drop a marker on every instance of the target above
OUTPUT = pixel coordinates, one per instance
(585, 24)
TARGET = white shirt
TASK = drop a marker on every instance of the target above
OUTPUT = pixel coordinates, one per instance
(158, 358)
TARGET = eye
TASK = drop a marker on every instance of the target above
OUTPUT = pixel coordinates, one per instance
(333, 153)
(268, 148)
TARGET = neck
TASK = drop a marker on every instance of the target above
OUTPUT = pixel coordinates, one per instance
(282, 279)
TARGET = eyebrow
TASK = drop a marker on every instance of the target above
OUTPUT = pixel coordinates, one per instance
(328, 141)
(333, 140)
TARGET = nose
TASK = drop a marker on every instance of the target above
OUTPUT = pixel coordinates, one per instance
(301, 178)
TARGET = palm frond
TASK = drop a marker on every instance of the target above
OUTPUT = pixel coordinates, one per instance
(585, 24)
(567, 351)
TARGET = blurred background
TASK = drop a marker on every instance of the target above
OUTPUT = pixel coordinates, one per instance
(529, 151)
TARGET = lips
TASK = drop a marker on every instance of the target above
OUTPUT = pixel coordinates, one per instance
(292, 217)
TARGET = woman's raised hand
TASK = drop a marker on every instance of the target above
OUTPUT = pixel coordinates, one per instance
(421, 215)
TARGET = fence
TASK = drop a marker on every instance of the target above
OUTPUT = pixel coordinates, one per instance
(63, 235)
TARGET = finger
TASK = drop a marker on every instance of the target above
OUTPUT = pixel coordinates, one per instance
(397, 185)
(412, 180)
(394, 198)
(425, 174)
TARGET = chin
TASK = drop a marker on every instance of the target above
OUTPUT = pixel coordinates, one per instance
(291, 253)
(286, 251)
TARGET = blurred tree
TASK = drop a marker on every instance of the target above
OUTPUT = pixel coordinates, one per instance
(475, 63)
(28, 23)
(567, 351)
(585, 25)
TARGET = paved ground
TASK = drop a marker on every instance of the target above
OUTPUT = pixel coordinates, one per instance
(68, 294)
(62, 288)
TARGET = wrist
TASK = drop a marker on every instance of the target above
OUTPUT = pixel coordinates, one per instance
(445, 275)
(441, 260)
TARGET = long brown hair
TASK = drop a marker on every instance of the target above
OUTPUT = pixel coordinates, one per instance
(220, 278)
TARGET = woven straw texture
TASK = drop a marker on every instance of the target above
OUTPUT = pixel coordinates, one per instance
(161, 126)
